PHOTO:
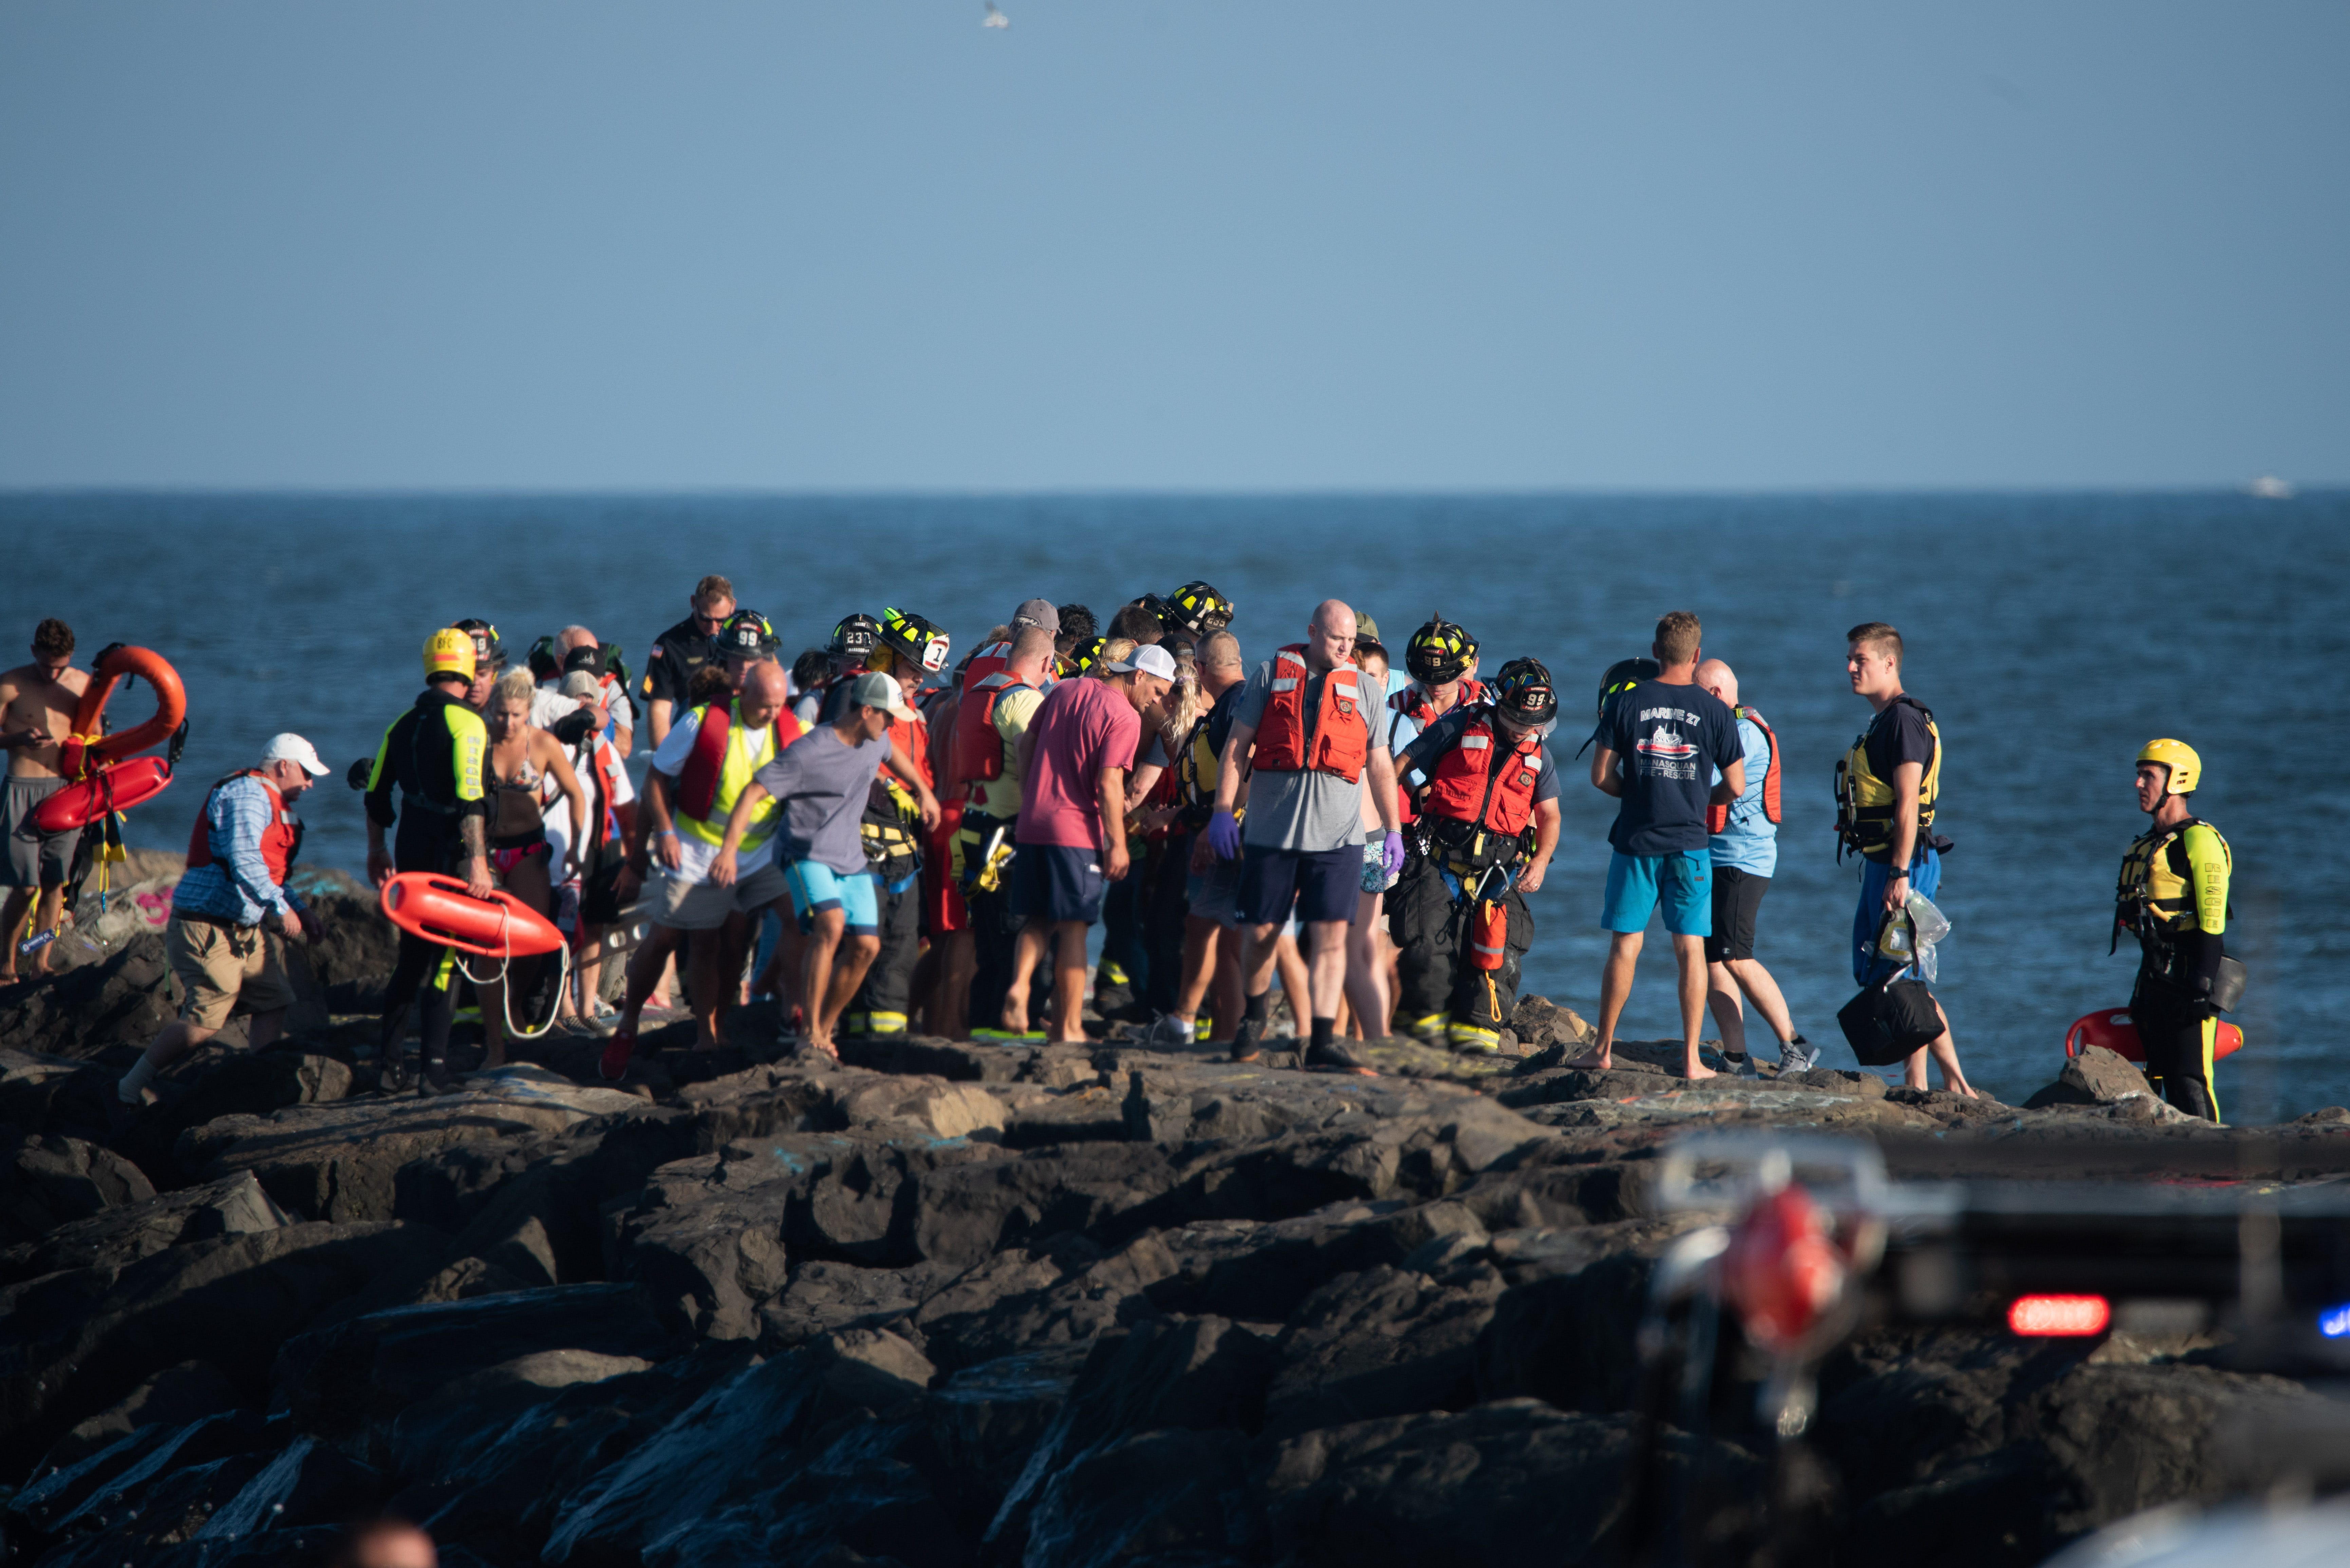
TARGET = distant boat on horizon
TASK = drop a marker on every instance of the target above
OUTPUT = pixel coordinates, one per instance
(2268, 487)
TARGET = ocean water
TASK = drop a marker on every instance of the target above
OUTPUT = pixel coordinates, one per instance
(2051, 635)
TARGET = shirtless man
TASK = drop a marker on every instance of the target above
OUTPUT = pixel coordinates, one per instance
(37, 709)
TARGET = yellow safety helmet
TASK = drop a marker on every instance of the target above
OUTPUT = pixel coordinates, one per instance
(449, 651)
(2186, 767)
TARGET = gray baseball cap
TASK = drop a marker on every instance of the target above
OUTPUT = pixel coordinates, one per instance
(1037, 612)
(875, 689)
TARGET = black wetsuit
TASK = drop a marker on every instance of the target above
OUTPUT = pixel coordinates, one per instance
(433, 753)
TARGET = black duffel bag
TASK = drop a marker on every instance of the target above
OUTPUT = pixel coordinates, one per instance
(1889, 1018)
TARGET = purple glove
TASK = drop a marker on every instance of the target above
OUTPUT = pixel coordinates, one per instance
(1225, 836)
(1391, 856)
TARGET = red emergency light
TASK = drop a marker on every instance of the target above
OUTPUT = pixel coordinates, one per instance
(2058, 1317)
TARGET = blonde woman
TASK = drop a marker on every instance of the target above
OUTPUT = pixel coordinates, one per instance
(526, 770)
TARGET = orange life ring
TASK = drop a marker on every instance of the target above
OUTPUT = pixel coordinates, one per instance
(86, 751)
(118, 787)
(438, 908)
(2113, 1029)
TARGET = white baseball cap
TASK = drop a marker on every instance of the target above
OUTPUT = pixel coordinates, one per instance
(1148, 660)
(290, 747)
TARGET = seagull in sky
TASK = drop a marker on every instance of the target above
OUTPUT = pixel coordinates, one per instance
(995, 18)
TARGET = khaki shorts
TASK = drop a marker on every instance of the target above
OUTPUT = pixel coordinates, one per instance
(686, 906)
(224, 970)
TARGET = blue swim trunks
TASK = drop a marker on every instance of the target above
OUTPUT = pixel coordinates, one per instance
(1682, 882)
(815, 887)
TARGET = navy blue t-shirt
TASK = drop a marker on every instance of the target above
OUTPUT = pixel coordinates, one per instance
(1668, 740)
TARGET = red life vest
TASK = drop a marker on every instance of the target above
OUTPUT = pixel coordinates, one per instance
(697, 785)
(607, 765)
(978, 748)
(1717, 817)
(280, 841)
(914, 736)
(1341, 740)
(1486, 781)
(1413, 703)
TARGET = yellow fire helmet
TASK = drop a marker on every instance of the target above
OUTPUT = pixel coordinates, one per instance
(449, 651)
(2186, 767)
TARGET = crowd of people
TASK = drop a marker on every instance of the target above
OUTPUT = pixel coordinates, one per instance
(882, 838)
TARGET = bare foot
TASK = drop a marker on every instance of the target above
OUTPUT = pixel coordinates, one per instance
(822, 1048)
(1598, 1061)
(1699, 1070)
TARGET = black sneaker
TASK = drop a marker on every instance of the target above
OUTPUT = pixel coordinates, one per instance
(1244, 1039)
(1338, 1056)
(398, 1074)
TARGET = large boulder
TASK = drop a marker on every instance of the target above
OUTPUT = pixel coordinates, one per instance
(822, 1295)
(82, 1340)
(1194, 1375)
(2097, 1076)
(1387, 1342)
(1497, 1486)
(346, 1382)
(173, 1397)
(1062, 1291)
(339, 1161)
(808, 1454)
(157, 1486)
(109, 1007)
(491, 1465)
(220, 1081)
(1962, 1448)
(47, 1181)
(232, 1206)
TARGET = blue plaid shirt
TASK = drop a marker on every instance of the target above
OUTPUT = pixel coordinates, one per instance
(236, 884)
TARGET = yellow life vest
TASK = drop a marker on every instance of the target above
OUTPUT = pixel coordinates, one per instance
(734, 772)
(1195, 767)
(1865, 802)
(2157, 897)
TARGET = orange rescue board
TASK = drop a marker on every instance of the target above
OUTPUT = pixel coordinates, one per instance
(116, 788)
(2113, 1030)
(439, 909)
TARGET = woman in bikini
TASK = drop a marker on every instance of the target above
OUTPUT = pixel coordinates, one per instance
(528, 769)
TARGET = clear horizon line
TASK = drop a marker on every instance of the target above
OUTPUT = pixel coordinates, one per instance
(952, 493)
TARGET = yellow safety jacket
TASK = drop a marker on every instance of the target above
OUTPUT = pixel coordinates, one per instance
(1865, 802)
(747, 750)
(1195, 768)
(2175, 880)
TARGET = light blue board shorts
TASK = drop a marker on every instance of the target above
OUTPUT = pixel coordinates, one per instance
(1636, 884)
(816, 887)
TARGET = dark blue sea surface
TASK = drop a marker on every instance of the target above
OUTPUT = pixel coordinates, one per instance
(2052, 635)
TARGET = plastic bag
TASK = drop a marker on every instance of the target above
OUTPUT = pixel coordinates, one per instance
(1928, 926)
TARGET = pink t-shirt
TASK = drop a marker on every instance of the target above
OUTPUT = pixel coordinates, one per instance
(1083, 726)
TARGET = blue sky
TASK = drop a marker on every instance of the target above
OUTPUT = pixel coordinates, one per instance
(1195, 245)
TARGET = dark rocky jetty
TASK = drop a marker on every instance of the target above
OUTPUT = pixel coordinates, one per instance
(954, 1303)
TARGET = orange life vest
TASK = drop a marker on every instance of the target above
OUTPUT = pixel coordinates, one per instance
(1413, 703)
(1717, 817)
(1486, 781)
(280, 841)
(697, 785)
(1341, 739)
(978, 748)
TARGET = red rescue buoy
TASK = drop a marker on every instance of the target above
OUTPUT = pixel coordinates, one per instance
(86, 749)
(2113, 1030)
(439, 909)
(118, 787)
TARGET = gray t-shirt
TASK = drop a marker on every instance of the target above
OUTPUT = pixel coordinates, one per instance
(1305, 810)
(822, 784)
